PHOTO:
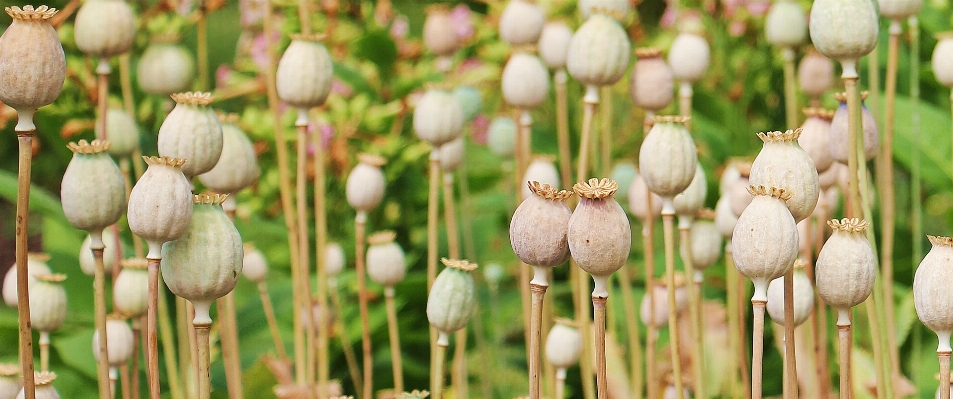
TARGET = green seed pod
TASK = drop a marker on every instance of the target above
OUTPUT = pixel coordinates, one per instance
(191, 131)
(783, 164)
(617, 9)
(44, 386)
(844, 30)
(93, 190)
(122, 133)
(623, 173)
(131, 289)
(36, 265)
(451, 155)
(525, 81)
(563, 345)
(725, 218)
(104, 28)
(598, 52)
(931, 286)
(254, 264)
(366, 183)
(765, 241)
(34, 65)
(165, 67)
(668, 158)
(839, 136)
(539, 228)
(48, 302)
(542, 170)
(9, 380)
(692, 199)
(438, 118)
(803, 297)
(111, 255)
(899, 10)
(786, 24)
(470, 101)
(452, 298)
(689, 57)
(501, 136)
(706, 241)
(522, 22)
(385, 259)
(304, 72)
(160, 204)
(121, 341)
(599, 233)
(845, 268)
(237, 167)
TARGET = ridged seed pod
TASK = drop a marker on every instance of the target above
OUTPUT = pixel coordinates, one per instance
(254, 264)
(931, 289)
(111, 255)
(522, 22)
(438, 118)
(452, 298)
(525, 81)
(563, 344)
(34, 65)
(598, 52)
(334, 259)
(554, 44)
(846, 266)
(658, 296)
(783, 164)
(738, 195)
(652, 83)
(44, 387)
(366, 183)
(131, 290)
(122, 133)
(204, 264)
(451, 155)
(844, 30)
(165, 67)
(786, 24)
(440, 34)
(803, 297)
(815, 73)
(617, 9)
(668, 158)
(815, 137)
(104, 28)
(765, 242)
(942, 59)
(725, 218)
(9, 380)
(93, 190)
(160, 205)
(542, 170)
(899, 10)
(539, 228)
(304, 72)
(706, 242)
(692, 199)
(36, 265)
(839, 134)
(638, 205)
(689, 57)
(599, 233)
(191, 131)
(48, 302)
(237, 167)
(501, 136)
(385, 259)
(120, 341)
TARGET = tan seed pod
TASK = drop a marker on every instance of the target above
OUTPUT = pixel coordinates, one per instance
(191, 131)
(438, 118)
(9, 380)
(111, 255)
(121, 341)
(563, 344)
(689, 57)
(522, 22)
(659, 291)
(165, 67)
(366, 183)
(34, 65)
(815, 73)
(931, 286)
(160, 204)
(815, 137)
(782, 163)
(803, 297)
(104, 28)
(93, 192)
(725, 218)
(706, 243)
(440, 34)
(786, 24)
(692, 199)
(598, 52)
(44, 386)
(48, 302)
(36, 265)
(303, 78)
(254, 264)
(525, 81)
(668, 158)
(237, 167)
(652, 83)
(451, 155)
(542, 170)
(764, 243)
(334, 259)
(122, 133)
(899, 10)
(638, 205)
(554, 44)
(942, 59)
(452, 297)
(599, 233)
(617, 9)
(839, 144)
(385, 259)
(845, 267)
(539, 228)
(131, 289)
(844, 30)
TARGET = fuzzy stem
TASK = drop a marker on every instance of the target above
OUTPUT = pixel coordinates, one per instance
(685, 94)
(694, 307)
(590, 103)
(303, 285)
(535, 365)
(668, 225)
(44, 351)
(562, 127)
(272, 321)
(321, 238)
(134, 359)
(944, 358)
(854, 135)
(888, 201)
(102, 105)
(176, 388)
(99, 299)
(202, 340)
(632, 331)
(790, 360)
(560, 383)
(843, 333)
(648, 249)
(25, 140)
(394, 335)
(599, 310)
(349, 356)
(228, 335)
(437, 371)
(152, 343)
(757, 347)
(734, 331)
(360, 225)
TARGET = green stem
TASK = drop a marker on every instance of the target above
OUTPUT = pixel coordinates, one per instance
(916, 213)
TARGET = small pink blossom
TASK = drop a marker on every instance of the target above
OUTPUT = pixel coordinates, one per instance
(252, 12)
(462, 22)
(737, 28)
(758, 8)
(327, 133)
(259, 49)
(222, 75)
(469, 64)
(340, 88)
(731, 6)
(480, 128)
(400, 27)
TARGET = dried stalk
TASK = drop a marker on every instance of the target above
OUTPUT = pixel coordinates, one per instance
(349, 356)
(590, 102)
(360, 225)
(632, 331)
(303, 285)
(734, 332)
(272, 321)
(599, 310)
(790, 360)
(44, 351)
(437, 371)
(433, 210)
(562, 127)
(102, 106)
(152, 343)
(757, 348)
(99, 299)
(168, 346)
(888, 201)
(459, 374)
(321, 239)
(228, 333)
(843, 333)
(694, 307)
(134, 359)
(605, 133)
(685, 94)
(944, 358)
(668, 225)
(25, 141)
(854, 131)
(201, 44)
(125, 381)
(916, 208)
(560, 383)
(742, 311)
(535, 365)
(202, 339)
(648, 249)
(394, 336)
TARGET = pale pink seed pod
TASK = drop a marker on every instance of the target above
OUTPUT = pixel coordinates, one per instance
(541, 170)
(131, 289)
(725, 218)
(48, 302)
(803, 297)
(237, 167)
(671, 392)
(165, 67)
(104, 28)
(659, 295)
(540, 225)
(451, 155)
(931, 284)
(638, 195)
(839, 143)
(830, 177)
(764, 243)
(334, 259)
(617, 9)
(9, 380)
(254, 264)
(692, 199)
(598, 52)
(815, 73)
(846, 266)
(563, 344)
(122, 133)
(440, 34)
(120, 341)
(160, 205)
(93, 191)
(729, 175)
(303, 78)
(525, 81)
(44, 386)
(34, 65)
(689, 57)
(739, 197)
(554, 44)
(786, 24)
(385, 259)
(191, 131)
(899, 10)
(668, 158)
(942, 59)
(599, 233)
(111, 255)
(36, 265)
(782, 163)
(844, 30)
(651, 85)
(815, 137)
(522, 22)
(366, 183)
(706, 243)
(438, 118)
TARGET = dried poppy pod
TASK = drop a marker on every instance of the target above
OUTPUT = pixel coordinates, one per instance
(254, 264)
(899, 10)
(739, 197)
(385, 259)
(803, 297)
(563, 345)
(815, 73)
(438, 118)
(36, 265)
(706, 243)
(525, 80)
(844, 30)
(729, 175)
(623, 173)
(657, 295)
(191, 131)
(366, 183)
(165, 67)
(845, 268)
(34, 65)
(304, 72)
(692, 199)
(668, 158)
(786, 24)
(689, 57)
(838, 132)
(638, 206)
(122, 133)
(539, 228)
(440, 34)
(334, 260)
(554, 44)
(160, 204)
(617, 9)
(93, 190)
(521, 22)
(501, 137)
(815, 137)
(541, 170)
(131, 290)
(120, 341)
(931, 283)
(599, 233)
(829, 177)
(782, 163)
(48, 302)
(44, 387)
(598, 53)
(452, 298)
(111, 255)
(104, 28)
(9, 380)
(237, 167)
(725, 218)
(652, 83)
(765, 242)
(942, 59)
(451, 155)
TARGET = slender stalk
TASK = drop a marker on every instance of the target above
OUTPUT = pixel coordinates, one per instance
(44, 351)
(99, 299)
(349, 356)
(102, 106)
(599, 310)
(843, 333)
(152, 343)
(562, 127)
(742, 291)
(437, 371)
(193, 347)
(605, 132)
(204, 383)
(25, 141)
(581, 284)
(360, 225)
(303, 285)
(228, 335)
(394, 335)
(459, 374)
(560, 383)
(272, 321)
(535, 365)
(134, 366)
(201, 44)
(304, 15)
(668, 225)
(854, 132)
(125, 381)
(790, 88)
(113, 376)
(916, 211)
(685, 94)
(632, 332)
(694, 307)
(883, 374)
(944, 358)
(734, 333)
(790, 360)
(168, 345)
(888, 201)
(757, 347)
(321, 239)
(433, 210)
(648, 249)
(590, 103)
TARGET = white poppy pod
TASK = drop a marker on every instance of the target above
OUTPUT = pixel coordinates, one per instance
(334, 259)
(652, 83)
(765, 242)
(815, 73)
(111, 255)
(539, 228)
(104, 28)
(668, 158)
(121, 341)
(844, 30)
(366, 183)
(706, 243)
(729, 175)
(522, 22)
(44, 387)
(525, 81)
(845, 267)
(9, 380)
(782, 163)
(617, 9)
(254, 264)
(451, 155)
(725, 218)
(36, 265)
(599, 233)
(131, 289)
(440, 34)
(942, 60)
(122, 133)
(160, 205)
(191, 131)
(839, 143)
(803, 297)
(899, 10)
(554, 44)
(501, 137)
(738, 195)
(303, 78)
(438, 118)
(541, 170)
(931, 284)
(48, 302)
(638, 196)
(563, 344)
(385, 259)
(165, 67)
(658, 296)
(815, 137)
(34, 65)
(237, 167)
(692, 199)
(452, 297)
(786, 24)
(829, 177)
(93, 192)
(598, 52)
(689, 57)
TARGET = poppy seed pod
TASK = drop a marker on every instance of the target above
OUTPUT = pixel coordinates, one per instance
(692, 199)
(815, 137)
(191, 131)
(111, 255)
(706, 242)
(599, 233)
(638, 195)
(44, 386)
(160, 204)
(563, 344)
(254, 264)
(303, 78)
(668, 158)
(659, 291)
(623, 173)
(739, 197)
(334, 259)
(237, 167)
(554, 44)
(365, 183)
(36, 265)
(539, 228)
(452, 298)
(104, 28)
(438, 118)
(471, 101)
(845, 267)
(838, 134)
(942, 59)
(93, 190)
(541, 170)
(440, 34)
(501, 136)
(204, 264)
(729, 175)
(829, 177)
(521, 22)
(765, 242)
(598, 53)
(120, 341)
(689, 57)
(131, 289)
(165, 66)
(931, 284)
(786, 24)
(803, 297)
(415, 394)
(385, 259)
(844, 30)
(34, 65)
(525, 81)
(652, 83)
(899, 10)
(782, 163)
(451, 155)
(725, 218)
(9, 380)
(48, 302)
(815, 73)
(616, 9)
(122, 133)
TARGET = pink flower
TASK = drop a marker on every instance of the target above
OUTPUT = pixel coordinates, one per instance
(400, 27)
(469, 64)
(259, 49)
(327, 133)
(731, 6)
(758, 8)
(340, 88)
(737, 28)
(222, 75)
(252, 12)
(480, 128)
(462, 21)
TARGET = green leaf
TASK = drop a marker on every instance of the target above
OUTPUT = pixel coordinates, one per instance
(377, 46)
(41, 200)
